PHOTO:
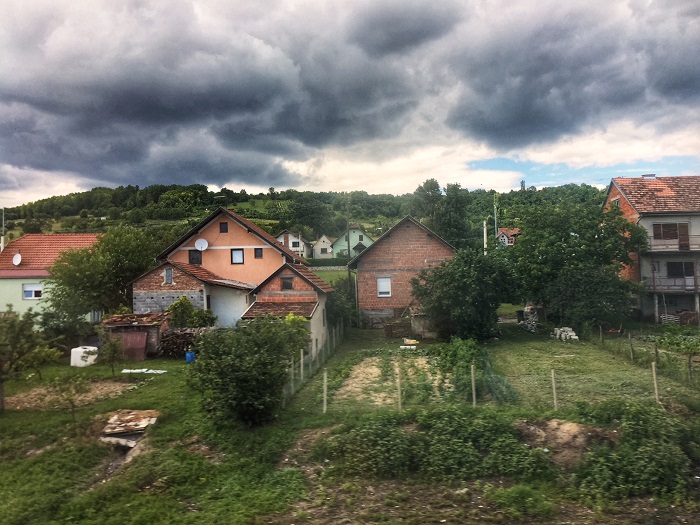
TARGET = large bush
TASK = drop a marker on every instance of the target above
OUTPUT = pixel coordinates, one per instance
(242, 372)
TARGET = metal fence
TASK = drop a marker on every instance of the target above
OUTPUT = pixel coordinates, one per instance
(305, 366)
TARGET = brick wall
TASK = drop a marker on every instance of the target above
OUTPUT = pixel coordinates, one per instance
(632, 271)
(302, 291)
(152, 294)
(400, 255)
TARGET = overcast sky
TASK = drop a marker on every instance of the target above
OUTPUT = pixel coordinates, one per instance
(342, 95)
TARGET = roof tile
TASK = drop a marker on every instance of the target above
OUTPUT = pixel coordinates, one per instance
(261, 309)
(40, 251)
(662, 194)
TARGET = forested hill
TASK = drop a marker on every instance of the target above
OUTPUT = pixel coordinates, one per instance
(452, 211)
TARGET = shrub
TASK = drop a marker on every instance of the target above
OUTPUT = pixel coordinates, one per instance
(521, 501)
(184, 315)
(242, 372)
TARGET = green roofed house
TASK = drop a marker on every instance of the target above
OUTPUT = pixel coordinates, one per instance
(355, 239)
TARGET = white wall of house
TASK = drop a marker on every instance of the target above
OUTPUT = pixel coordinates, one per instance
(12, 291)
(227, 304)
(319, 326)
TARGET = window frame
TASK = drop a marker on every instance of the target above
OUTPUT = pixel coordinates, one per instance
(195, 255)
(286, 282)
(682, 269)
(236, 251)
(168, 276)
(384, 286)
(32, 291)
(258, 253)
(223, 227)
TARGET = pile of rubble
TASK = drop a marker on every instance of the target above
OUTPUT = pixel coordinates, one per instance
(564, 334)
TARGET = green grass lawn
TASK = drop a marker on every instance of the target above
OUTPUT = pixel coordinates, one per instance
(53, 472)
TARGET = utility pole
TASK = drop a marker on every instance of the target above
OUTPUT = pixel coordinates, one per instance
(485, 237)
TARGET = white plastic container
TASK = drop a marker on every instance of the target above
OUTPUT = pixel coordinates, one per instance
(83, 355)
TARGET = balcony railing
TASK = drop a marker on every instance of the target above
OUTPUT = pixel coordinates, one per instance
(692, 243)
(671, 284)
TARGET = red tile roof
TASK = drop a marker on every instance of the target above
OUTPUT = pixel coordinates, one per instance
(261, 309)
(209, 277)
(304, 272)
(662, 194)
(39, 251)
(510, 232)
(136, 319)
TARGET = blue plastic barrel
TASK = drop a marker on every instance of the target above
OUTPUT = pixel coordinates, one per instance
(189, 357)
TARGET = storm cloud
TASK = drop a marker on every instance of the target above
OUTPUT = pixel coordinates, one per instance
(142, 92)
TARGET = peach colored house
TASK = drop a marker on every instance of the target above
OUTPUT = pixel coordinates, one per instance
(294, 289)
(216, 264)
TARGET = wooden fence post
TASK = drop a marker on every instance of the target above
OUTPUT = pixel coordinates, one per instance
(656, 383)
(629, 339)
(325, 390)
(398, 385)
(473, 385)
(554, 391)
(301, 364)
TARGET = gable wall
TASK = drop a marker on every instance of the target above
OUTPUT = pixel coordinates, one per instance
(629, 272)
(302, 292)
(217, 257)
(401, 255)
(151, 294)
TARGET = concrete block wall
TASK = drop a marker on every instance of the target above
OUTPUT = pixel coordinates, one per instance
(152, 294)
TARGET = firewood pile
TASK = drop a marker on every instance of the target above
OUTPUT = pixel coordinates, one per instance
(175, 343)
(396, 329)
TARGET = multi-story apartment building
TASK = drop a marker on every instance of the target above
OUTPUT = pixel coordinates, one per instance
(668, 208)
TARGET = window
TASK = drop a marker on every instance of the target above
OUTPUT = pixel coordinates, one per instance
(223, 227)
(195, 257)
(324, 250)
(680, 269)
(258, 253)
(32, 291)
(665, 231)
(362, 237)
(295, 244)
(237, 256)
(287, 282)
(168, 276)
(383, 286)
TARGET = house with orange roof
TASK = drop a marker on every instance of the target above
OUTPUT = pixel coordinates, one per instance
(24, 265)
(386, 268)
(507, 236)
(215, 265)
(295, 289)
(668, 208)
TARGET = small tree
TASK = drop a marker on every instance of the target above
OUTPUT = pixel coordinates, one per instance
(242, 372)
(66, 391)
(18, 341)
(111, 351)
(184, 315)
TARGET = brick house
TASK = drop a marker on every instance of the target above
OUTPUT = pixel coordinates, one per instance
(24, 265)
(386, 268)
(668, 208)
(294, 289)
(216, 264)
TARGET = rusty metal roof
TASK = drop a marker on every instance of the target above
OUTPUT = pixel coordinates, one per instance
(136, 319)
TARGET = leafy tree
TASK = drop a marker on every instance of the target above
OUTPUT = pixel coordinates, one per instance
(99, 277)
(18, 342)
(461, 296)
(568, 256)
(341, 303)
(184, 315)
(242, 372)
(111, 351)
(426, 199)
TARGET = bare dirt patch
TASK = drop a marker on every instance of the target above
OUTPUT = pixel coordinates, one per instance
(567, 441)
(362, 385)
(43, 398)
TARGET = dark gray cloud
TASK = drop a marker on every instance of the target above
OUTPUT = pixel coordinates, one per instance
(141, 92)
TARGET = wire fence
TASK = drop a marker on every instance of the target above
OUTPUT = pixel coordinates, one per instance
(633, 367)
(305, 366)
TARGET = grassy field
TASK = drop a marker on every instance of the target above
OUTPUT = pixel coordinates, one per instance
(52, 471)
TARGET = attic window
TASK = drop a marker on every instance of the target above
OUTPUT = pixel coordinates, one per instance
(195, 257)
(615, 202)
(223, 227)
(168, 276)
(287, 282)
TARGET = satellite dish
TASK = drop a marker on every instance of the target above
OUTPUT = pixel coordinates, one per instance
(17, 259)
(201, 244)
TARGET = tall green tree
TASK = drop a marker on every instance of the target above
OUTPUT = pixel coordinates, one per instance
(461, 297)
(568, 259)
(99, 277)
